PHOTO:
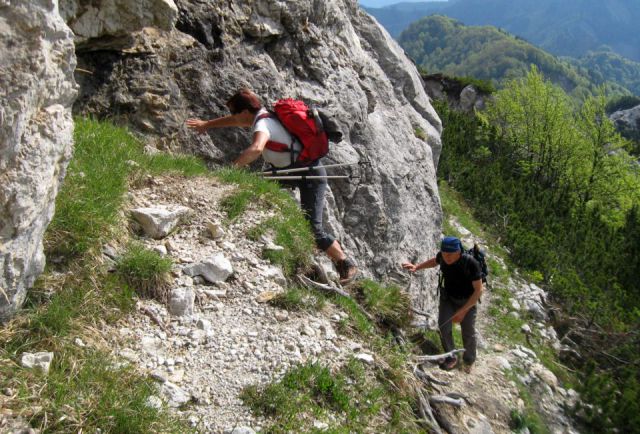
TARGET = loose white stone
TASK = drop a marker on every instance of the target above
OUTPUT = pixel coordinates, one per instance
(157, 222)
(41, 361)
(366, 358)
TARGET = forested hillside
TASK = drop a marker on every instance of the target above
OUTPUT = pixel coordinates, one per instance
(558, 186)
(441, 44)
(562, 27)
(603, 66)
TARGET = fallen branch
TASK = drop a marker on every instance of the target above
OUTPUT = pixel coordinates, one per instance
(308, 283)
(425, 412)
(438, 357)
(428, 379)
(151, 314)
(420, 312)
(322, 286)
(321, 272)
(443, 399)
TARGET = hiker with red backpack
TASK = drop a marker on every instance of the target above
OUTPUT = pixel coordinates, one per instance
(284, 150)
(460, 291)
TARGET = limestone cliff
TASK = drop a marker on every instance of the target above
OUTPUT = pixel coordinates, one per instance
(37, 90)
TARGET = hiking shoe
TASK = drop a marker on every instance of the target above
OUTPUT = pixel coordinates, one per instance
(347, 270)
(449, 363)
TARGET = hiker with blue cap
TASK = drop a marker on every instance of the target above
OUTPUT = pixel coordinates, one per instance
(459, 292)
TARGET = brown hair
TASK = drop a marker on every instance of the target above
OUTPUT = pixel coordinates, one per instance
(243, 100)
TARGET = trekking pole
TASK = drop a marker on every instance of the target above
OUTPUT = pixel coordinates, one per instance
(300, 177)
(303, 169)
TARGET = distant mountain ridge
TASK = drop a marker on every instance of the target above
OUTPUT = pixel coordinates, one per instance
(562, 27)
(441, 44)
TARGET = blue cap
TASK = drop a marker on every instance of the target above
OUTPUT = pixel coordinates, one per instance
(450, 245)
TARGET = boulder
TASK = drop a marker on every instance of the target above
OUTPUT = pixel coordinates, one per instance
(181, 301)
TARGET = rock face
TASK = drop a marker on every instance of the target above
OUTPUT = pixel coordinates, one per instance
(628, 122)
(329, 53)
(37, 90)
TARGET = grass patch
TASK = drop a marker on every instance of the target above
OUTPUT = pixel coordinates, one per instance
(528, 418)
(146, 272)
(85, 390)
(350, 399)
(88, 204)
(388, 304)
(298, 299)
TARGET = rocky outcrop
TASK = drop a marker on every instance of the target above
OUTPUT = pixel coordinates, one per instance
(329, 53)
(628, 122)
(460, 96)
(37, 90)
(114, 18)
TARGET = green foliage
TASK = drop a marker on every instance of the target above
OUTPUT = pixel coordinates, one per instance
(604, 66)
(484, 54)
(623, 102)
(563, 194)
(145, 271)
(484, 86)
(549, 24)
(617, 398)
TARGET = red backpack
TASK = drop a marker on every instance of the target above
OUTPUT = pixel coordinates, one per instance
(303, 124)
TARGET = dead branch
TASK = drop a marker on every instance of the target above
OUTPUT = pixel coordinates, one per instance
(420, 312)
(425, 412)
(320, 271)
(151, 314)
(310, 284)
(443, 399)
(437, 357)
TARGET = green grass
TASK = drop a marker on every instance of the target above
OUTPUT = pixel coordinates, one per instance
(528, 418)
(145, 271)
(299, 299)
(349, 399)
(389, 304)
(88, 204)
(84, 390)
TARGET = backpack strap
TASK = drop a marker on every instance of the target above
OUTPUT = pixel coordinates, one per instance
(277, 146)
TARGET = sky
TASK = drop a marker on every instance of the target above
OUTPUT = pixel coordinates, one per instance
(380, 3)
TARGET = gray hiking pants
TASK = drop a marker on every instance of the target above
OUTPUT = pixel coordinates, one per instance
(448, 308)
(312, 192)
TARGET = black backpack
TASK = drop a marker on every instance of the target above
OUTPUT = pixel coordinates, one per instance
(479, 256)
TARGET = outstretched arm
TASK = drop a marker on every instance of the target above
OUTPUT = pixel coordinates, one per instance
(430, 263)
(226, 121)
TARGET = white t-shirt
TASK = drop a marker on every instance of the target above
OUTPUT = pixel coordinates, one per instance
(276, 133)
